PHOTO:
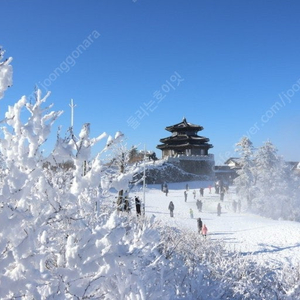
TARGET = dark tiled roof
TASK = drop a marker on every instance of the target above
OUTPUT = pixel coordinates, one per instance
(184, 125)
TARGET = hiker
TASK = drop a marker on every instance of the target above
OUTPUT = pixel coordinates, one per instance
(138, 206)
(191, 213)
(219, 209)
(164, 187)
(199, 225)
(204, 230)
(222, 193)
(209, 188)
(201, 192)
(200, 205)
(216, 188)
(185, 195)
(167, 190)
(126, 205)
(171, 208)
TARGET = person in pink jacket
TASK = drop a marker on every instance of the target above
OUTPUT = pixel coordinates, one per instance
(204, 230)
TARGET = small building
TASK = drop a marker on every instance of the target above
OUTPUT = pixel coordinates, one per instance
(187, 150)
(294, 166)
(225, 173)
(233, 163)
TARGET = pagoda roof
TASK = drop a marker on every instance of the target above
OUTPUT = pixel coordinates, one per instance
(184, 146)
(184, 125)
(185, 137)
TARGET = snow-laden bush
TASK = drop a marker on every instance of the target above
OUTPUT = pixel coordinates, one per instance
(46, 207)
(214, 273)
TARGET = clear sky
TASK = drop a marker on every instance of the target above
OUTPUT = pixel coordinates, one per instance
(138, 66)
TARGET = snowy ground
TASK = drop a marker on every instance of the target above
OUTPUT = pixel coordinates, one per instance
(272, 242)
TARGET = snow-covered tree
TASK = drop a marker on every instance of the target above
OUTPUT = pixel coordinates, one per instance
(125, 170)
(6, 72)
(266, 181)
(246, 179)
(276, 184)
(45, 221)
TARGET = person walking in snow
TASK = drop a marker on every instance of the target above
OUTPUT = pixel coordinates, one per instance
(219, 209)
(216, 188)
(167, 190)
(200, 206)
(204, 230)
(171, 208)
(164, 187)
(222, 193)
(199, 225)
(126, 205)
(201, 192)
(191, 213)
(185, 195)
(209, 188)
(138, 206)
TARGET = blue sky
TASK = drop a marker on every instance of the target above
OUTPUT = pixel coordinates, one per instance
(139, 66)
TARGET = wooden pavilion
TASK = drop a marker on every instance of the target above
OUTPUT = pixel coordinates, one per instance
(184, 141)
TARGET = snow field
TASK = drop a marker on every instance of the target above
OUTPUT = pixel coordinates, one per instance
(274, 242)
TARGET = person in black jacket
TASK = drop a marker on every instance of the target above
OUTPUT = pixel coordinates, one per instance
(171, 208)
(138, 206)
(199, 224)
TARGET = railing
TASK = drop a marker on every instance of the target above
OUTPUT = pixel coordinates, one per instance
(191, 157)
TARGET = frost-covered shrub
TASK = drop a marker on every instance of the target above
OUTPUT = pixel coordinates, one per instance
(213, 273)
(47, 211)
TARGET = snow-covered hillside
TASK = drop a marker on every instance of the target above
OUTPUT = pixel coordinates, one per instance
(268, 241)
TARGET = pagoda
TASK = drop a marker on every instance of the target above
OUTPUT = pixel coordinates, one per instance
(184, 141)
(187, 150)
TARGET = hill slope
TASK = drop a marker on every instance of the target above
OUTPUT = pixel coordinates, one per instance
(270, 241)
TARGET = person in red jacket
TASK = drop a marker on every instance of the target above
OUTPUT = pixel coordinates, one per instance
(204, 230)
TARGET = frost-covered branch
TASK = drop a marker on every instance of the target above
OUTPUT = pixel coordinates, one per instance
(6, 72)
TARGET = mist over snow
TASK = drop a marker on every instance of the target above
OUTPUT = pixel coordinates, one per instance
(270, 185)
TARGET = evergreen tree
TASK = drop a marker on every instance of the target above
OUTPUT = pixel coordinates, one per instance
(246, 179)
(276, 184)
